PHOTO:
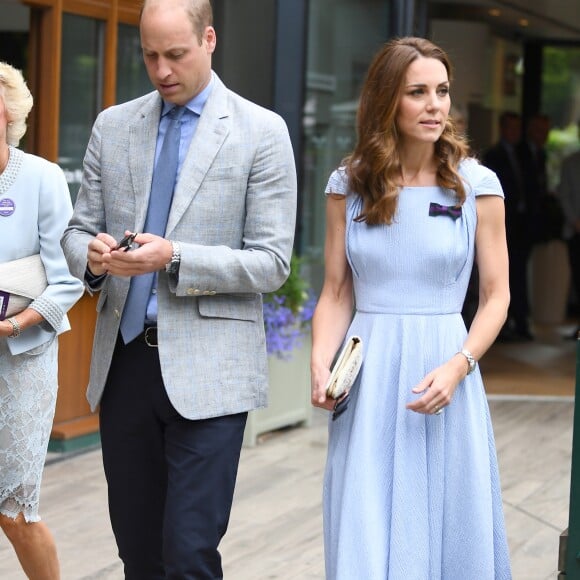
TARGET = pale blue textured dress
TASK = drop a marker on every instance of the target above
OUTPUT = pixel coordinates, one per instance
(409, 496)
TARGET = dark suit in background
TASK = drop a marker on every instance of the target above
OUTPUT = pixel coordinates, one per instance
(504, 159)
(533, 159)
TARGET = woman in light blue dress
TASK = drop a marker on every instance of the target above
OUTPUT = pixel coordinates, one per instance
(35, 207)
(411, 489)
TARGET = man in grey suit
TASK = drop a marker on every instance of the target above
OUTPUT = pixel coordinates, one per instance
(174, 398)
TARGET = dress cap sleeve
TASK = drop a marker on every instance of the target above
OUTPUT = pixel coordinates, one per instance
(337, 183)
(480, 179)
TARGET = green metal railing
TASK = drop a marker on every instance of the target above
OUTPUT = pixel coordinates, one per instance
(572, 544)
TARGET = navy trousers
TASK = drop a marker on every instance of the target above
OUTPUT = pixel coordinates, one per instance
(170, 480)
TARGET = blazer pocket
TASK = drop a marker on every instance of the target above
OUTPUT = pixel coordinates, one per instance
(225, 173)
(237, 307)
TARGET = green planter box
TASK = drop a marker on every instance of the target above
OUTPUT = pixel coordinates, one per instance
(289, 397)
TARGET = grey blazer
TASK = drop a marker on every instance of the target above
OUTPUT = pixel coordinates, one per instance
(233, 212)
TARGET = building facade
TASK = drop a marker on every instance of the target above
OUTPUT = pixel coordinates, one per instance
(305, 59)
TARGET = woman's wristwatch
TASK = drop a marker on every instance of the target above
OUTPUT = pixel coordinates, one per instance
(470, 360)
(15, 327)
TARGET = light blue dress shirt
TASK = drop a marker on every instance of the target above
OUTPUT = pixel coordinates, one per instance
(189, 122)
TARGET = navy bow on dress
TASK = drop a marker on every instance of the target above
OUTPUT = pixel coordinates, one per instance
(452, 211)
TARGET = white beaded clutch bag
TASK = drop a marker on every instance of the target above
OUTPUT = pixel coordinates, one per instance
(21, 281)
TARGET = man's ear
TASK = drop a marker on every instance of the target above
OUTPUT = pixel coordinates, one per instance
(209, 37)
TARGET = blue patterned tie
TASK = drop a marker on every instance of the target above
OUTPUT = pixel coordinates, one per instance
(163, 183)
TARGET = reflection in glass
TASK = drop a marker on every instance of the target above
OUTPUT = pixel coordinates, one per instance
(80, 90)
(338, 57)
(561, 102)
(132, 79)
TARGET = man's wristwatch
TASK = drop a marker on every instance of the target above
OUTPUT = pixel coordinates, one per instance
(172, 267)
(470, 360)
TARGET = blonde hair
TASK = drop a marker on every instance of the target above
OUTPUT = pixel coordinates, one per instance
(17, 102)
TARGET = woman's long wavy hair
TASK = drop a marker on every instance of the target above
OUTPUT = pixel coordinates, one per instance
(374, 167)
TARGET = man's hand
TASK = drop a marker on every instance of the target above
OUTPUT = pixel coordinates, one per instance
(98, 248)
(153, 254)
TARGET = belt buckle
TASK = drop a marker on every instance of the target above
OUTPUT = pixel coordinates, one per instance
(148, 337)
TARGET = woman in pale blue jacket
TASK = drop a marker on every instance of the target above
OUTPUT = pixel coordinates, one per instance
(35, 207)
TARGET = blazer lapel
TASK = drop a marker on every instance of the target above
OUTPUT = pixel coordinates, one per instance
(142, 142)
(211, 132)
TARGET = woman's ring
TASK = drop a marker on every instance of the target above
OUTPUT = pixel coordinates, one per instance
(438, 410)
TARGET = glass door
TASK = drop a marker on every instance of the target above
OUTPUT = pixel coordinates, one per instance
(80, 91)
(561, 102)
(338, 58)
(14, 39)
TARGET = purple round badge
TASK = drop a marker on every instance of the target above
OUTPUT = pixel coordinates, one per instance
(7, 207)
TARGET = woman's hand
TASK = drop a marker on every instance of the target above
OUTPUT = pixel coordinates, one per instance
(439, 385)
(6, 329)
(319, 376)
(27, 318)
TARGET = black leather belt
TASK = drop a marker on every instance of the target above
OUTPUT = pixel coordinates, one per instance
(149, 336)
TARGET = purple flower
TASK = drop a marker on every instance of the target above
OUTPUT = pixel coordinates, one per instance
(288, 312)
(285, 328)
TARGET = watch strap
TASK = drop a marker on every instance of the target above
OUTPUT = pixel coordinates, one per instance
(172, 267)
(470, 360)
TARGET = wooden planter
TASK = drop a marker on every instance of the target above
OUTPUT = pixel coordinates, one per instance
(289, 398)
